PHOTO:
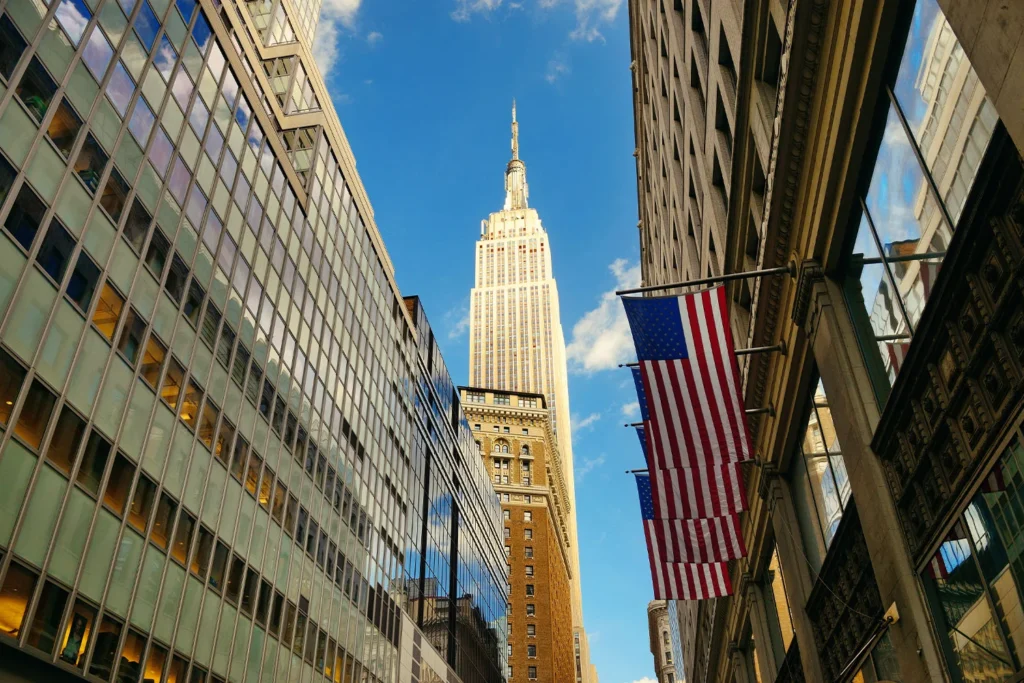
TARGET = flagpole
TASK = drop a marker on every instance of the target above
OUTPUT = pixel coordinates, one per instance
(780, 348)
(790, 269)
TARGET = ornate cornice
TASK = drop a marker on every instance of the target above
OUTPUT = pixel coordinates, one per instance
(811, 273)
(790, 131)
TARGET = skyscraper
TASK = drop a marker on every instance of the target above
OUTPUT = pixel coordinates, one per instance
(229, 449)
(515, 333)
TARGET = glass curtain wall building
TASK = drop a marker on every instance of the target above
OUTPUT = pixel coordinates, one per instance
(208, 376)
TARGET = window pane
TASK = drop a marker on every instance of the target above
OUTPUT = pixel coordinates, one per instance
(137, 225)
(156, 255)
(108, 311)
(97, 54)
(55, 250)
(115, 194)
(153, 361)
(12, 45)
(106, 648)
(147, 26)
(11, 377)
(171, 390)
(90, 163)
(183, 537)
(66, 437)
(190, 406)
(942, 99)
(94, 462)
(83, 281)
(25, 216)
(73, 16)
(164, 518)
(130, 668)
(35, 414)
(15, 593)
(36, 89)
(120, 482)
(120, 89)
(142, 504)
(76, 636)
(49, 611)
(64, 128)
(130, 341)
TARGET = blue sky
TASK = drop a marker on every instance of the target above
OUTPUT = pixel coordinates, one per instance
(424, 91)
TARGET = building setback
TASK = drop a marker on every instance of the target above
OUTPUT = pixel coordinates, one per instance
(516, 341)
(876, 146)
(515, 440)
(230, 450)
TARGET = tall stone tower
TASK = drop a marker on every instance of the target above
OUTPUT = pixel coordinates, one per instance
(515, 334)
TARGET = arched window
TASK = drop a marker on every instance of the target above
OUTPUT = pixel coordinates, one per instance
(525, 450)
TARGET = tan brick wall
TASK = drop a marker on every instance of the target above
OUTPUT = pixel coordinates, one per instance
(552, 618)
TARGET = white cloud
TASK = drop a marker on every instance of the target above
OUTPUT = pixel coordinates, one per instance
(456, 320)
(374, 37)
(587, 466)
(590, 15)
(334, 15)
(601, 338)
(557, 67)
(631, 409)
(464, 9)
(578, 425)
(645, 679)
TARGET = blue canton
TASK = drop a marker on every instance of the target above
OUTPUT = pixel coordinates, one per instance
(643, 442)
(641, 395)
(657, 327)
(643, 485)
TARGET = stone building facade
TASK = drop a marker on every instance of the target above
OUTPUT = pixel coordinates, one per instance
(516, 443)
(660, 630)
(876, 147)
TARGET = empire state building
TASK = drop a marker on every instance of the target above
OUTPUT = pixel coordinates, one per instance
(515, 333)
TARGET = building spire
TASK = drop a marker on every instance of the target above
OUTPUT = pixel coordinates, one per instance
(516, 190)
(515, 132)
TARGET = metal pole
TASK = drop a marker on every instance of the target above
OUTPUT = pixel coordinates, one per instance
(780, 347)
(790, 269)
(892, 337)
(770, 410)
(874, 260)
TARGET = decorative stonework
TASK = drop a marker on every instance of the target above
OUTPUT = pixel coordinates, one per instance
(844, 607)
(810, 274)
(964, 376)
(785, 166)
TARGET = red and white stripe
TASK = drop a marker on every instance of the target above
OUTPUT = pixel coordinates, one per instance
(698, 492)
(897, 353)
(684, 581)
(696, 410)
(714, 539)
(937, 568)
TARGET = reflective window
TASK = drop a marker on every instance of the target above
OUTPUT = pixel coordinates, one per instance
(108, 311)
(64, 127)
(65, 440)
(11, 377)
(15, 593)
(55, 250)
(36, 89)
(25, 216)
(76, 634)
(105, 650)
(819, 481)
(35, 414)
(94, 462)
(974, 581)
(46, 622)
(12, 45)
(936, 109)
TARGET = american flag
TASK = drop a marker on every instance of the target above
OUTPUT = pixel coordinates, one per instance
(678, 580)
(712, 539)
(641, 395)
(690, 379)
(698, 492)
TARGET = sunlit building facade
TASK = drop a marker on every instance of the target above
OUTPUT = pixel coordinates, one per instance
(517, 445)
(218, 413)
(864, 144)
(515, 333)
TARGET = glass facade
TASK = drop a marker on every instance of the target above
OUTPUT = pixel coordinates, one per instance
(937, 127)
(974, 581)
(211, 464)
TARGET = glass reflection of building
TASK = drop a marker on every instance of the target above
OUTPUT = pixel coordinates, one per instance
(211, 469)
(458, 585)
(939, 108)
